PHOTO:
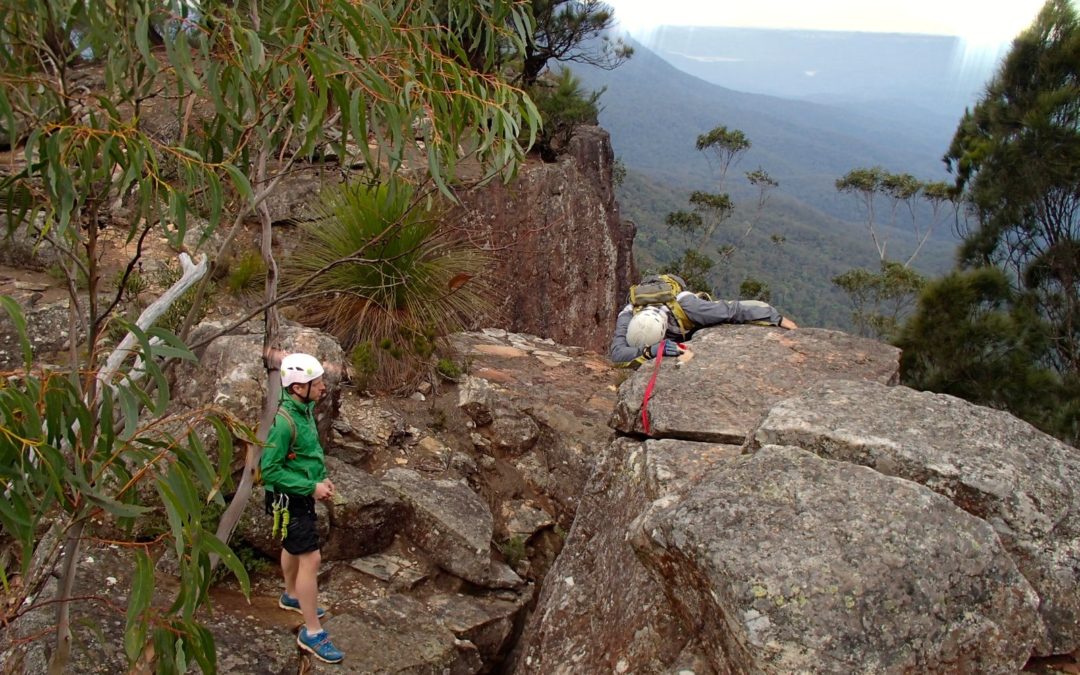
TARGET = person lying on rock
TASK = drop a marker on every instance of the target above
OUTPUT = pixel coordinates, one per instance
(661, 308)
(294, 472)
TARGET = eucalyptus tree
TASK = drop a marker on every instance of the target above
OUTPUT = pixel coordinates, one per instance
(723, 148)
(880, 299)
(251, 90)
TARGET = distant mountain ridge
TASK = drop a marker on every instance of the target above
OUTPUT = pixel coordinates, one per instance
(655, 112)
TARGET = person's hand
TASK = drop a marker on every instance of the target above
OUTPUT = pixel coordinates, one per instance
(324, 490)
(670, 349)
(787, 323)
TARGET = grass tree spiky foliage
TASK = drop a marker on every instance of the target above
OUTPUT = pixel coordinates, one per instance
(393, 278)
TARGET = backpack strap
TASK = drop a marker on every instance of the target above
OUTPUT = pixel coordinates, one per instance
(685, 324)
(292, 441)
(292, 427)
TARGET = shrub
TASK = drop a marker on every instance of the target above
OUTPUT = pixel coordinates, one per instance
(391, 276)
(448, 369)
(563, 106)
(246, 273)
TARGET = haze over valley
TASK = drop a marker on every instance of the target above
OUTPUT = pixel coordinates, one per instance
(888, 100)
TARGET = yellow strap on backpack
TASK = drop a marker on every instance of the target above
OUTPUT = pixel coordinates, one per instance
(661, 290)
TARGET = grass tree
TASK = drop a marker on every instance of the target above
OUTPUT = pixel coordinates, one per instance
(413, 283)
(252, 90)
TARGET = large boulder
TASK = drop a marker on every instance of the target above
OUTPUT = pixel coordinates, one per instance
(736, 372)
(600, 609)
(453, 525)
(230, 374)
(364, 519)
(1022, 482)
(785, 562)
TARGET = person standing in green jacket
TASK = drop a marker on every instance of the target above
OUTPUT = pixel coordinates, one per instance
(294, 473)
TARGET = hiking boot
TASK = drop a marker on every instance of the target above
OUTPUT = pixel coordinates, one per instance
(319, 644)
(290, 603)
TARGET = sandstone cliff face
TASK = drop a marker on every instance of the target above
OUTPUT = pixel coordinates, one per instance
(564, 256)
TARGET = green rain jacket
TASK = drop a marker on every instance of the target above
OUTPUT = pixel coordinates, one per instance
(293, 470)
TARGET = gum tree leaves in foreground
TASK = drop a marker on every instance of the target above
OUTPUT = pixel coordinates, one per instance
(168, 118)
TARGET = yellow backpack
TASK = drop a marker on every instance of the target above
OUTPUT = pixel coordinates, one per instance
(661, 290)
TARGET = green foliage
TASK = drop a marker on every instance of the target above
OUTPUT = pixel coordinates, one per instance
(698, 227)
(365, 365)
(391, 276)
(880, 300)
(974, 337)
(901, 190)
(1016, 155)
(246, 273)
(513, 550)
(60, 470)
(273, 84)
(694, 267)
(753, 289)
(618, 172)
(253, 562)
(448, 368)
(571, 31)
(563, 106)
(133, 286)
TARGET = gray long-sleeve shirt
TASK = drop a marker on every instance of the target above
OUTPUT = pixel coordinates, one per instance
(701, 312)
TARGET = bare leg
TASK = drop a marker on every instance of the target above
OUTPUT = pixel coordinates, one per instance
(290, 565)
(307, 588)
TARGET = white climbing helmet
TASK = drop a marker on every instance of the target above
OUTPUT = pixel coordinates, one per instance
(646, 328)
(299, 369)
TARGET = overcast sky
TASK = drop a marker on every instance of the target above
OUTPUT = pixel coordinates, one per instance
(983, 23)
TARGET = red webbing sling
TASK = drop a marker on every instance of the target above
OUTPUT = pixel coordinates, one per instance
(649, 387)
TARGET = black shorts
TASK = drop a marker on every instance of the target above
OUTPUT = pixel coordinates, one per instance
(303, 531)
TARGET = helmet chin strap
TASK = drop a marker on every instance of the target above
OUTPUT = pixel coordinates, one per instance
(306, 398)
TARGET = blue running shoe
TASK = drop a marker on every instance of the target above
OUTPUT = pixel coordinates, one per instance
(290, 603)
(319, 644)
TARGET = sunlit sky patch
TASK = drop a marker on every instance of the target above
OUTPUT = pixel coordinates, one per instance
(986, 28)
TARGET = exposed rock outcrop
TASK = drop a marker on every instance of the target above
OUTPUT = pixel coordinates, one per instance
(454, 526)
(790, 563)
(1022, 482)
(947, 552)
(564, 255)
(734, 373)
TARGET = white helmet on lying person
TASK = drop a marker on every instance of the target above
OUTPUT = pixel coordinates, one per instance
(646, 328)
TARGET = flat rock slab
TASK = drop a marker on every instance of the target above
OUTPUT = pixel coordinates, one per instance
(394, 570)
(1024, 483)
(396, 635)
(786, 562)
(738, 372)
